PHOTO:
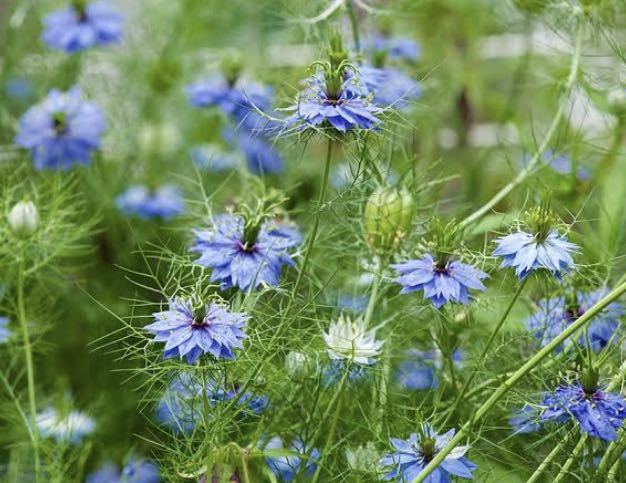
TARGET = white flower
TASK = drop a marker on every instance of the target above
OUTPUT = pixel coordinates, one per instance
(296, 364)
(363, 458)
(350, 340)
(66, 427)
(24, 218)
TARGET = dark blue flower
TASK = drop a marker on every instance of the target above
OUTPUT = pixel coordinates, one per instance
(246, 265)
(137, 470)
(555, 315)
(395, 47)
(388, 87)
(74, 28)
(213, 158)
(419, 370)
(61, 131)
(287, 468)
(448, 283)
(526, 253)
(599, 413)
(182, 405)
(411, 456)
(192, 328)
(164, 202)
(5, 332)
(345, 111)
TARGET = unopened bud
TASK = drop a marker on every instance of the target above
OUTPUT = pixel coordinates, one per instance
(388, 217)
(24, 218)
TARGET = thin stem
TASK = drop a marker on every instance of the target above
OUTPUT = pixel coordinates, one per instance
(518, 375)
(483, 355)
(565, 468)
(355, 26)
(532, 164)
(245, 475)
(543, 466)
(30, 371)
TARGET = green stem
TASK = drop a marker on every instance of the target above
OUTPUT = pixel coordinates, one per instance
(518, 375)
(543, 466)
(483, 355)
(355, 26)
(30, 371)
(245, 475)
(574, 456)
(530, 168)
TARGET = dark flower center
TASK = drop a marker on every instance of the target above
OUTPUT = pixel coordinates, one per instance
(59, 123)
(441, 268)
(81, 10)
(573, 313)
(200, 317)
(428, 448)
(247, 247)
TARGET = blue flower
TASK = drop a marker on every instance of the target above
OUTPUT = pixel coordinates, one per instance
(525, 420)
(192, 328)
(261, 157)
(419, 370)
(18, 88)
(246, 265)
(352, 303)
(137, 470)
(287, 468)
(411, 457)
(528, 252)
(389, 87)
(5, 332)
(555, 315)
(74, 28)
(346, 111)
(164, 202)
(182, 405)
(564, 165)
(61, 131)
(395, 47)
(441, 284)
(213, 158)
(333, 373)
(599, 413)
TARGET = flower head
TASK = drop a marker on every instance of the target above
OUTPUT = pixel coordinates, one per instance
(61, 131)
(441, 283)
(419, 370)
(394, 47)
(411, 456)
(599, 413)
(164, 202)
(260, 155)
(556, 314)
(136, 470)
(70, 427)
(287, 468)
(350, 340)
(213, 158)
(389, 87)
(244, 260)
(77, 28)
(527, 253)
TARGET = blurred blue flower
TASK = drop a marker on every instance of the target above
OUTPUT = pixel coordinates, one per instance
(62, 130)
(18, 88)
(261, 157)
(561, 163)
(419, 370)
(333, 372)
(68, 427)
(441, 284)
(352, 303)
(346, 111)
(137, 470)
(411, 456)
(164, 202)
(5, 331)
(389, 87)
(556, 314)
(192, 328)
(287, 468)
(213, 158)
(77, 28)
(525, 420)
(400, 48)
(182, 406)
(245, 264)
(599, 413)
(526, 253)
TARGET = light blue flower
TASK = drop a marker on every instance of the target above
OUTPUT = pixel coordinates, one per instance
(288, 468)
(165, 202)
(136, 470)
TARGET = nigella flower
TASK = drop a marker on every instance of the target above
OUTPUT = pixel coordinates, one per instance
(261, 157)
(349, 340)
(556, 314)
(441, 283)
(137, 470)
(562, 164)
(352, 303)
(289, 468)
(213, 158)
(68, 427)
(345, 110)
(526, 253)
(389, 87)
(525, 420)
(598, 412)
(79, 27)
(191, 328)
(62, 130)
(419, 370)
(337, 369)
(245, 263)
(165, 202)
(182, 405)
(411, 456)
(395, 47)
(5, 332)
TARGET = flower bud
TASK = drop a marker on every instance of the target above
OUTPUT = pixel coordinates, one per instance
(297, 365)
(24, 218)
(388, 217)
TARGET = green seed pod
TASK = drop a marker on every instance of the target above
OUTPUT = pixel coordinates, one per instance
(387, 218)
